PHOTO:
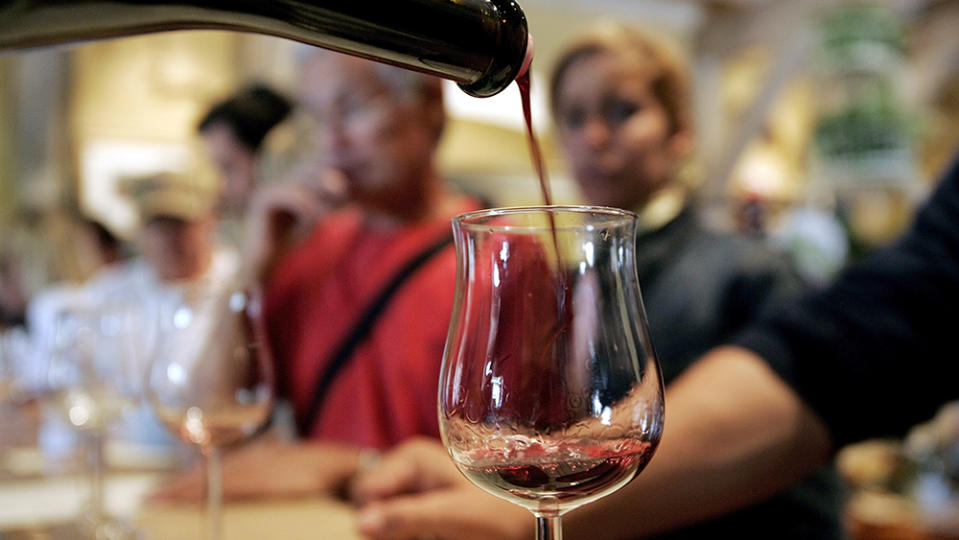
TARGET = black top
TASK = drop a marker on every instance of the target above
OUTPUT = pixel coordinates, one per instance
(875, 353)
(700, 288)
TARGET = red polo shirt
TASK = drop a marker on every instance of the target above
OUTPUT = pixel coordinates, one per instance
(387, 390)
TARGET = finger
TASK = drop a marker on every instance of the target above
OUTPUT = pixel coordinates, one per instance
(333, 186)
(280, 217)
(326, 183)
(307, 210)
(447, 514)
(392, 475)
(434, 466)
(400, 519)
(419, 464)
(293, 199)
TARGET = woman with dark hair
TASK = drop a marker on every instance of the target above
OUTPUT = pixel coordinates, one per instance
(233, 131)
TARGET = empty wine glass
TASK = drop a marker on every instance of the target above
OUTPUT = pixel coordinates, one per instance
(94, 375)
(550, 394)
(211, 379)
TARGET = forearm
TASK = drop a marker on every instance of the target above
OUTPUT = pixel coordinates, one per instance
(734, 434)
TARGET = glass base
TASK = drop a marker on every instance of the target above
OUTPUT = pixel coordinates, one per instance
(106, 528)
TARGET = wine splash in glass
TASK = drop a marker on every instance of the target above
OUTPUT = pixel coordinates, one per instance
(550, 392)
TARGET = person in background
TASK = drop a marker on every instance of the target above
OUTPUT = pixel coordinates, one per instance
(621, 109)
(95, 253)
(373, 216)
(36, 251)
(176, 248)
(234, 133)
(176, 239)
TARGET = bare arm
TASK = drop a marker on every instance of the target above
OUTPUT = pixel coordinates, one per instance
(735, 433)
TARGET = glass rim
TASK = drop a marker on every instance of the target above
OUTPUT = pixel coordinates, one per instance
(470, 219)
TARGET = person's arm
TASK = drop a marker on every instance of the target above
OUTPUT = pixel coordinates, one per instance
(868, 357)
(734, 434)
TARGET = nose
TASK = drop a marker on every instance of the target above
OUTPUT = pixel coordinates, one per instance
(596, 132)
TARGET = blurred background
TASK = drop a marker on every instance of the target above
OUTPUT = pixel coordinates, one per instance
(820, 125)
(808, 116)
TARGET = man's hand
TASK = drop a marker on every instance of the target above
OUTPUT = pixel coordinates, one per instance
(282, 214)
(415, 491)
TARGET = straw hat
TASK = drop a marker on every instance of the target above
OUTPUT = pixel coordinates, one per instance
(171, 195)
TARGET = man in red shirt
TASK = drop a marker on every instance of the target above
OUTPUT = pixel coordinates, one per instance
(326, 246)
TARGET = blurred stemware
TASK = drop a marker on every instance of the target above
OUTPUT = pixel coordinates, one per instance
(550, 393)
(94, 376)
(211, 378)
(15, 353)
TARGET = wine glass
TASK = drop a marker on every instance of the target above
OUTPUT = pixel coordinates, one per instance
(550, 393)
(211, 380)
(95, 371)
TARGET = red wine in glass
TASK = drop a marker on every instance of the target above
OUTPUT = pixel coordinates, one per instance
(571, 472)
(550, 393)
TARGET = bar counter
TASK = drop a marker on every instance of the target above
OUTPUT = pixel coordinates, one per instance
(39, 499)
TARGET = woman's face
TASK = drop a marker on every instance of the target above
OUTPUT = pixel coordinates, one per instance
(616, 135)
(236, 163)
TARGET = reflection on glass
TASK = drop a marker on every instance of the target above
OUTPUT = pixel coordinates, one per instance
(550, 395)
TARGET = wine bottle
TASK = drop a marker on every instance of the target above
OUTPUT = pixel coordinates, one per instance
(480, 44)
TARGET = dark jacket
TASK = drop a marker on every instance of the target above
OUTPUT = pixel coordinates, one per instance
(700, 288)
(875, 353)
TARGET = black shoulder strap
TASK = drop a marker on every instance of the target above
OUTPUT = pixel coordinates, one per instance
(362, 329)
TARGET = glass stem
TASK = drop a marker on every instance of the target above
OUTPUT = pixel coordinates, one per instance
(549, 528)
(95, 468)
(214, 494)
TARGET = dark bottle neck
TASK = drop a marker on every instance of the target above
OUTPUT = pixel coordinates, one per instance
(480, 44)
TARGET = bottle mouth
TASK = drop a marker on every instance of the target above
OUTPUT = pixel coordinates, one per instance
(511, 51)
(528, 59)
